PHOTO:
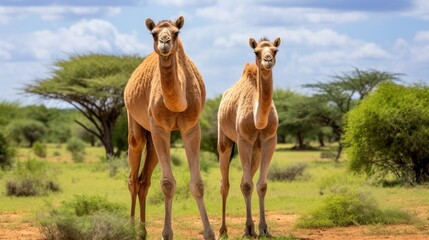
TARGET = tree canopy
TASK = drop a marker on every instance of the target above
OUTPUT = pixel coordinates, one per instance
(94, 85)
(343, 92)
(388, 132)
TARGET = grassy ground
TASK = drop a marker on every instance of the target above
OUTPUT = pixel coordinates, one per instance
(297, 197)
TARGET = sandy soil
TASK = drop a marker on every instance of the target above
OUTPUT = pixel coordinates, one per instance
(14, 226)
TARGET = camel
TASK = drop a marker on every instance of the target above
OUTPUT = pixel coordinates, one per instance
(247, 117)
(165, 93)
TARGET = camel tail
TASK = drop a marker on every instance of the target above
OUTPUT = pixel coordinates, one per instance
(145, 152)
(232, 152)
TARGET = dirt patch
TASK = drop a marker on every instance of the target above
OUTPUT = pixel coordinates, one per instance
(13, 225)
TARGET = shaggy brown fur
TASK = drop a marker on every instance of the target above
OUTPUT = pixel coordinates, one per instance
(247, 116)
(165, 93)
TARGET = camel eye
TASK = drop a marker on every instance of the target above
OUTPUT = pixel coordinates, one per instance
(153, 35)
(257, 53)
(176, 33)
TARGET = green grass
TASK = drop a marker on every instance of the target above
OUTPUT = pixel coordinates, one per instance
(299, 197)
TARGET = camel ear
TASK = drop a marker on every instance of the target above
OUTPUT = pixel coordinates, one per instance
(150, 24)
(277, 42)
(179, 22)
(252, 43)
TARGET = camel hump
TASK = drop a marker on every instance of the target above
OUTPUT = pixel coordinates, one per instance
(250, 70)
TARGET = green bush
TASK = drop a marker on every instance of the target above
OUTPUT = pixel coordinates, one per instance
(288, 173)
(345, 203)
(351, 208)
(30, 179)
(39, 149)
(6, 153)
(388, 133)
(86, 217)
(176, 160)
(77, 148)
(86, 205)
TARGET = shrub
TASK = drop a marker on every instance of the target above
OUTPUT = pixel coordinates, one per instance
(351, 208)
(39, 149)
(77, 148)
(86, 205)
(176, 160)
(6, 153)
(288, 173)
(30, 179)
(86, 217)
(388, 133)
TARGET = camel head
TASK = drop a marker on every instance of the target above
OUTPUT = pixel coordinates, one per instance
(265, 52)
(165, 35)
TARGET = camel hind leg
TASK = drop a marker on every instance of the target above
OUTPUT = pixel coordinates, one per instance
(136, 141)
(225, 149)
(151, 160)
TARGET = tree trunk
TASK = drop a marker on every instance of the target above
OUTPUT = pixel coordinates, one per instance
(107, 139)
(339, 150)
(300, 139)
(320, 136)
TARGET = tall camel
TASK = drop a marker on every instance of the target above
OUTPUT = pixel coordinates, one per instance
(247, 116)
(165, 93)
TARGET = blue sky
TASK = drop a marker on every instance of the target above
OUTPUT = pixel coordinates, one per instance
(320, 38)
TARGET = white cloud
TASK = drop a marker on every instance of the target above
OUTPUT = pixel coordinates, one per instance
(182, 3)
(82, 37)
(54, 13)
(420, 10)
(5, 50)
(251, 12)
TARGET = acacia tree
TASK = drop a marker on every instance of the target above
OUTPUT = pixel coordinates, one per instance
(94, 85)
(388, 132)
(296, 116)
(342, 93)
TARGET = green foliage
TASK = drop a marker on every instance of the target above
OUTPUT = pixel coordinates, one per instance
(120, 133)
(31, 178)
(86, 217)
(93, 84)
(176, 160)
(7, 152)
(388, 133)
(297, 116)
(77, 148)
(341, 95)
(84, 205)
(9, 112)
(39, 149)
(26, 130)
(288, 173)
(351, 208)
(208, 123)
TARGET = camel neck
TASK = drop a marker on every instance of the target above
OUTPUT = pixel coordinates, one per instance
(173, 84)
(264, 98)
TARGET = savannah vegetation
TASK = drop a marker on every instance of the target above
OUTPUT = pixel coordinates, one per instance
(71, 162)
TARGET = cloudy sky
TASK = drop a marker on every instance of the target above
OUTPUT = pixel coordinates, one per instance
(320, 38)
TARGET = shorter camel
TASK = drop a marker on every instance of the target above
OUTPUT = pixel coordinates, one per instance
(247, 116)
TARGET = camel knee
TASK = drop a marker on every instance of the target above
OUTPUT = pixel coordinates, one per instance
(168, 188)
(262, 189)
(224, 188)
(135, 142)
(144, 185)
(246, 188)
(197, 189)
(133, 184)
